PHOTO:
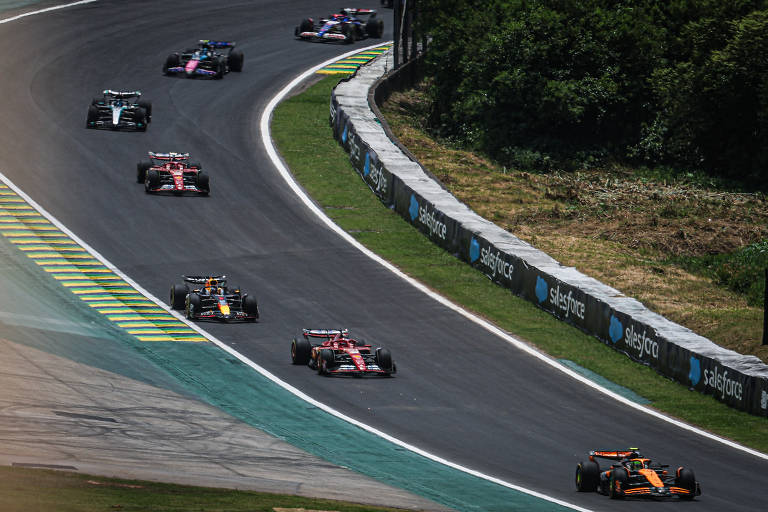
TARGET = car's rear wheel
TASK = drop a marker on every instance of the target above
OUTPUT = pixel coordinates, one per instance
(151, 181)
(618, 481)
(326, 361)
(374, 27)
(192, 306)
(349, 33)
(141, 171)
(301, 350)
(687, 480)
(587, 476)
(93, 116)
(178, 296)
(306, 25)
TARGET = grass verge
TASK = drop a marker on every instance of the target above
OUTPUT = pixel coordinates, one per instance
(25, 490)
(301, 122)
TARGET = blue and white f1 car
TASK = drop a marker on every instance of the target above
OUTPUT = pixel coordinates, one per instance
(344, 27)
(119, 109)
(206, 60)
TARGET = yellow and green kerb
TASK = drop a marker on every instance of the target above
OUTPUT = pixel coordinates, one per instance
(350, 64)
(83, 275)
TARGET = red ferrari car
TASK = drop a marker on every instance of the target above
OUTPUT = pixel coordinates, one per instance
(338, 354)
(634, 475)
(172, 172)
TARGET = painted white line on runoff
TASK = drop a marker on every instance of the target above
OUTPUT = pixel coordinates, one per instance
(47, 9)
(285, 173)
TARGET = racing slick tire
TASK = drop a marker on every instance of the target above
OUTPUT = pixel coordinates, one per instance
(384, 359)
(349, 32)
(192, 305)
(141, 171)
(620, 476)
(196, 165)
(251, 307)
(203, 183)
(326, 360)
(172, 61)
(306, 25)
(374, 27)
(178, 296)
(147, 106)
(587, 476)
(221, 69)
(687, 480)
(151, 181)
(301, 351)
(93, 116)
(235, 60)
(140, 118)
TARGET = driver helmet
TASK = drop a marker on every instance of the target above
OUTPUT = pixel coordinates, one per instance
(210, 285)
(636, 464)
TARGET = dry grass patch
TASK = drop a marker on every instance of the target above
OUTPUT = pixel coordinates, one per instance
(614, 225)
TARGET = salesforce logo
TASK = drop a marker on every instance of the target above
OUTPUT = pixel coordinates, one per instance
(474, 250)
(645, 345)
(718, 381)
(616, 330)
(694, 375)
(375, 176)
(413, 209)
(491, 259)
(542, 289)
(427, 218)
(567, 304)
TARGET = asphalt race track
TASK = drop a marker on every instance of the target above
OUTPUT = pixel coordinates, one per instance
(460, 393)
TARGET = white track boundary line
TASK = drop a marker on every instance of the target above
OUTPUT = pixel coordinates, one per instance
(285, 173)
(47, 9)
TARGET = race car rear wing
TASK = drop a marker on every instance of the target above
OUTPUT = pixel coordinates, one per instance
(324, 333)
(122, 94)
(203, 279)
(171, 157)
(632, 453)
(217, 44)
(351, 11)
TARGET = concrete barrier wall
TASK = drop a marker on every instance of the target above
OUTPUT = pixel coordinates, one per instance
(619, 321)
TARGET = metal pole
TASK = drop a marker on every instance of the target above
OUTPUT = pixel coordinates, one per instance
(395, 33)
(765, 310)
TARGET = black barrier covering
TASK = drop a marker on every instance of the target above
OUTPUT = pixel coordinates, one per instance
(620, 322)
(425, 216)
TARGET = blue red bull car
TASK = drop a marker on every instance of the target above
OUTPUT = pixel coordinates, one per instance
(333, 352)
(632, 475)
(209, 298)
(346, 27)
(206, 60)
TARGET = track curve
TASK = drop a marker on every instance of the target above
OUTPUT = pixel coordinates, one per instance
(486, 406)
